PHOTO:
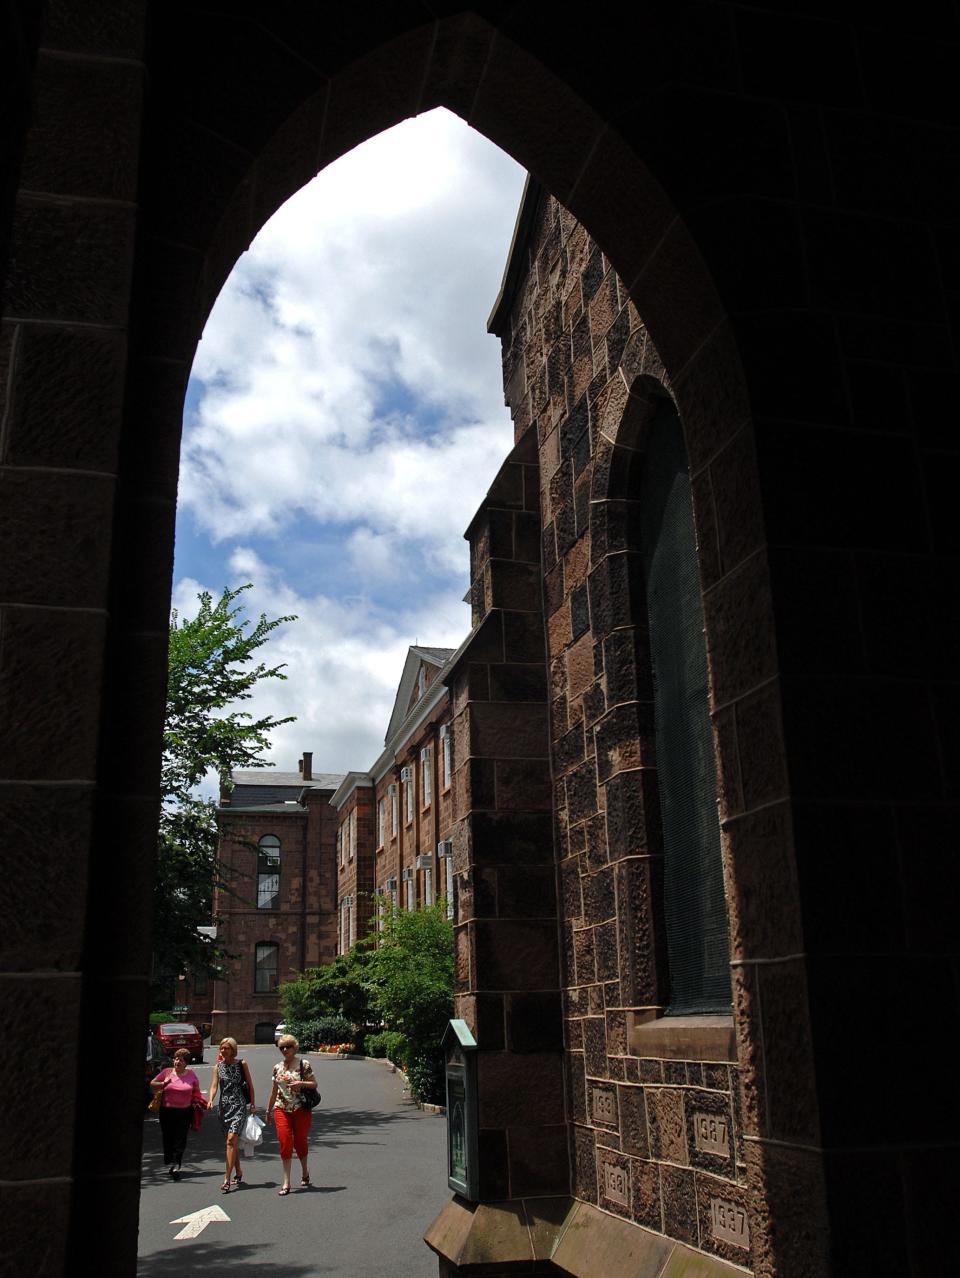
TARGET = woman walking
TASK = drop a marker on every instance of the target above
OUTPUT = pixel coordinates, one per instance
(291, 1117)
(232, 1083)
(179, 1086)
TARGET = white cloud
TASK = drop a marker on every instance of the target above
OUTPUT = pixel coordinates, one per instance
(373, 283)
(349, 384)
(343, 662)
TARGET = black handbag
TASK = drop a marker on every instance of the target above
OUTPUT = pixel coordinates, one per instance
(308, 1097)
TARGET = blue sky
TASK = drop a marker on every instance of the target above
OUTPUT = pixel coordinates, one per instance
(345, 417)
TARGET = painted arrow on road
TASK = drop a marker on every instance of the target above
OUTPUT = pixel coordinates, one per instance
(197, 1221)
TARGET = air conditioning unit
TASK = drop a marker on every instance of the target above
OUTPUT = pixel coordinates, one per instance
(406, 774)
(425, 754)
(445, 848)
(391, 885)
(425, 861)
(347, 901)
(444, 731)
(407, 874)
(378, 891)
(392, 788)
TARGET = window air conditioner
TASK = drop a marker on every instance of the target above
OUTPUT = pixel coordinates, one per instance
(407, 874)
(406, 774)
(391, 885)
(445, 848)
(425, 861)
(444, 731)
(378, 891)
(392, 788)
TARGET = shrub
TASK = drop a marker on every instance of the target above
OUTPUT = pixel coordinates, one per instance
(426, 1074)
(390, 1044)
(161, 1018)
(321, 1030)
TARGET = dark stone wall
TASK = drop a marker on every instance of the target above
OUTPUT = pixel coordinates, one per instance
(772, 186)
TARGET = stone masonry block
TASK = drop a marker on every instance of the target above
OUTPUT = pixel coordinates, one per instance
(63, 398)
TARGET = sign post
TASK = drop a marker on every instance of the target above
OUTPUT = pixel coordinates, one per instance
(460, 1050)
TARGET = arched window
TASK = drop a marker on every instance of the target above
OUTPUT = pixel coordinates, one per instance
(267, 967)
(268, 872)
(694, 907)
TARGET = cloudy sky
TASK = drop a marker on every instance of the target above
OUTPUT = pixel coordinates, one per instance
(345, 416)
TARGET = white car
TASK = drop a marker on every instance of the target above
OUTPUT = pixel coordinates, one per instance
(279, 1032)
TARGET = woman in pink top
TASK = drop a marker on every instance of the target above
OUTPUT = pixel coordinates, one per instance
(179, 1085)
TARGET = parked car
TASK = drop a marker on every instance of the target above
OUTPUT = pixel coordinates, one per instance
(279, 1032)
(177, 1034)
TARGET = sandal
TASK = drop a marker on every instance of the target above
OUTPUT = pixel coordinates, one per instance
(238, 1178)
(284, 1189)
(305, 1183)
(225, 1187)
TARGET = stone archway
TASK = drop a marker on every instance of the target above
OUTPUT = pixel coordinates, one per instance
(161, 139)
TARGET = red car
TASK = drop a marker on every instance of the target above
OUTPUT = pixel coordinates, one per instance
(176, 1035)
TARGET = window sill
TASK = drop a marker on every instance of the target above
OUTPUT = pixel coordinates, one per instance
(682, 1038)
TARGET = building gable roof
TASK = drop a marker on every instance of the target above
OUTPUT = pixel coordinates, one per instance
(416, 656)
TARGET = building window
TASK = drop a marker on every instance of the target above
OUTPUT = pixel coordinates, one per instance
(694, 905)
(449, 885)
(199, 983)
(353, 833)
(381, 907)
(267, 967)
(345, 925)
(447, 755)
(407, 775)
(268, 873)
(381, 823)
(428, 887)
(408, 889)
(421, 681)
(351, 924)
(342, 844)
(394, 807)
(426, 775)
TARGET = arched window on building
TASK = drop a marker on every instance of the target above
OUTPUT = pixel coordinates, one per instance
(694, 906)
(268, 873)
(267, 967)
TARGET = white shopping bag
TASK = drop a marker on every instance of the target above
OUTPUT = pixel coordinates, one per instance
(251, 1134)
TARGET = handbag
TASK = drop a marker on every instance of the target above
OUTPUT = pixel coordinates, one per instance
(155, 1102)
(244, 1089)
(308, 1097)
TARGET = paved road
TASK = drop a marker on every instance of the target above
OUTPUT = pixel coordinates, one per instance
(378, 1172)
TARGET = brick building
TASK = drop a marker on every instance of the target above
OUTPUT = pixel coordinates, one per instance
(767, 187)
(395, 820)
(278, 912)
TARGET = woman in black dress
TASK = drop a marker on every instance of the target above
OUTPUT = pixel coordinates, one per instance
(229, 1078)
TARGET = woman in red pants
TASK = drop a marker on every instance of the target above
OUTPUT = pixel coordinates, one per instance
(292, 1118)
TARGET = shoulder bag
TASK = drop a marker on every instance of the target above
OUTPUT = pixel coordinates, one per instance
(308, 1097)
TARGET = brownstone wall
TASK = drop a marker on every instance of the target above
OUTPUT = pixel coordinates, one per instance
(355, 875)
(656, 1109)
(304, 923)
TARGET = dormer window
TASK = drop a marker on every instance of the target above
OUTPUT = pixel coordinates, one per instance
(421, 681)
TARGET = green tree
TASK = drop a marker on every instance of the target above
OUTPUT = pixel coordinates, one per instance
(210, 671)
(338, 989)
(410, 979)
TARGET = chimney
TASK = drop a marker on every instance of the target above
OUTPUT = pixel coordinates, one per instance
(300, 766)
(306, 765)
